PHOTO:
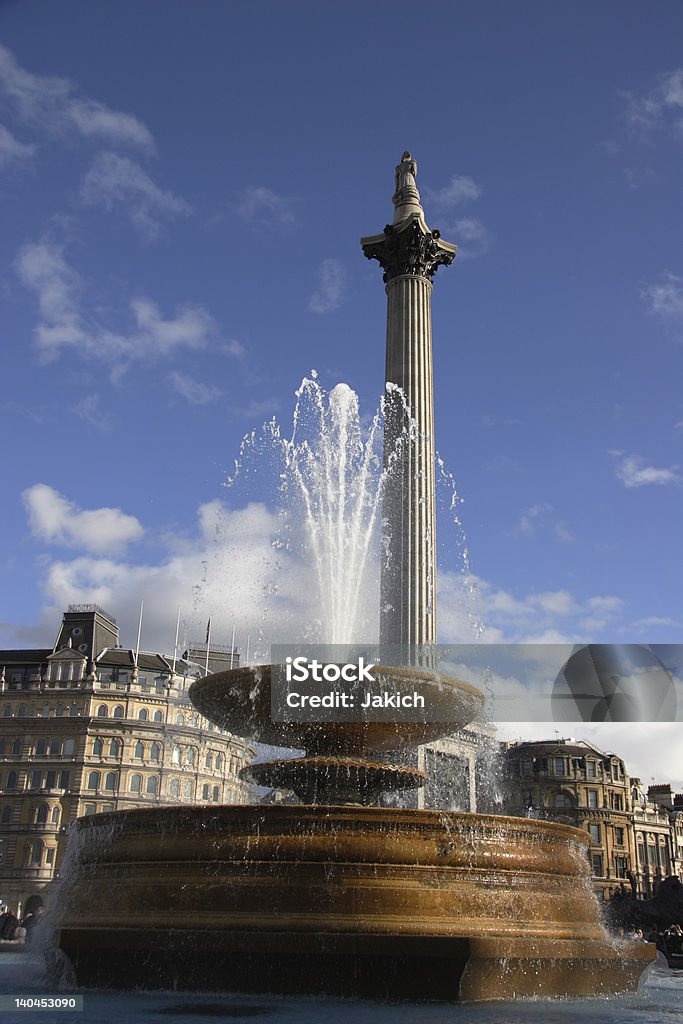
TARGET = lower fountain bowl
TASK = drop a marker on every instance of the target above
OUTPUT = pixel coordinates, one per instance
(346, 900)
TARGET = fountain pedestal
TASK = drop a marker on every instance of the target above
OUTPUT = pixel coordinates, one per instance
(343, 899)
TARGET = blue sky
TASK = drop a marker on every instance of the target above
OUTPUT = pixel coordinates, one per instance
(183, 189)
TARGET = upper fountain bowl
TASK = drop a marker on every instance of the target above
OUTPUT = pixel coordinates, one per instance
(239, 700)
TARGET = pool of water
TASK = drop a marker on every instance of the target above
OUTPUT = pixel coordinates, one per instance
(658, 1001)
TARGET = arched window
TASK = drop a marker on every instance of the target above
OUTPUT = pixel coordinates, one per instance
(54, 817)
(180, 718)
(174, 789)
(209, 759)
(136, 783)
(98, 747)
(176, 755)
(11, 781)
(73, 711)
(68, 747)
(216, 794)
(143, 715)
(194, 721)
(59, 711)
(110, 782)
(205, 791)
(152, 785)
(2, 747)
(6, 815)
(187, 789)
(22, 711)
(16, 747)
(7, 711)
(155, 752)
(42, 814)
(158, 716)
(55, 746)
(46, 710)
(139, 750)
(94, 780)
(219, 762)
(102, 711)
(118, 711)
(115, 748)
(562, 801)
(190, 756)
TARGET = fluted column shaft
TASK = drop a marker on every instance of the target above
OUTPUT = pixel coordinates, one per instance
(408, 582)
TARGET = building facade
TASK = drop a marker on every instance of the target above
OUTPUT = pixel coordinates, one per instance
(89, 726)
(573, 782)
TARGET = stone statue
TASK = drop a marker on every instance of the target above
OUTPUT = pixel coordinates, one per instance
(406, 172)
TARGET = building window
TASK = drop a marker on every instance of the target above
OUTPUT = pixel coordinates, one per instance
(559, 765)
(155, 752)
(55, 746)
(41, 748)
(6, 815)
(152, 785)
(592, 797)
(94, 780)
(143, 715)
(180, 718)
(158, 716)
(50, 856)
(619, 836)
(54, 817)
(595, 835)
(620, 865)
(102, 711)
(187, 789)
(16, 748)
(110, 782)
(191, 756)
(7, 711)
(219, 762)
(90, 809)
(114, 748)
(597, 866)
(35, 780)
(205, 791)
(22, 711)
(136, 783)
(562, 801)
(591, 769)
(174, 789)
(118, 711)
(617, 801)
(209, 759)
(216, 794)
(194, 721)
(35, 854)
(68, 747)
(97, 747)
(11, 781)
(139, 750)
(64, 779)
(176, 755)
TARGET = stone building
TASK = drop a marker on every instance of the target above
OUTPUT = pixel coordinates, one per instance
(89, 726)
(654, 837)
(573, 782)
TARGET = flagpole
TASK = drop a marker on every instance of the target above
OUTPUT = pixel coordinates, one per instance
(232, 648)
(246, 660)
(208, 644)
(175, 648)
(137, 649)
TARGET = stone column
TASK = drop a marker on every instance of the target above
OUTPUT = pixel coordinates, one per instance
(410, 254)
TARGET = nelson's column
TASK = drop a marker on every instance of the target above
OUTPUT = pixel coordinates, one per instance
(410, 254)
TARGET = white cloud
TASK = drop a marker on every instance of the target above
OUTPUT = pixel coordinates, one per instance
(193, 390)
(11, 149)
(460, 189)
(262, 205)
(329, 295)
(114, 180)
(90, 410)
(538, 518)
(633, 471)
(51, 104)
(471, 236)
(471, 608)
(57, 287)
(54, 519)
(666, 298)
(660, 108)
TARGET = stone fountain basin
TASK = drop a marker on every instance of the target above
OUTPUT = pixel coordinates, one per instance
(353, 900)
(239, 700)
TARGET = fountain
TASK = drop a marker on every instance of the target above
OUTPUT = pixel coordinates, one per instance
(336, 894)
